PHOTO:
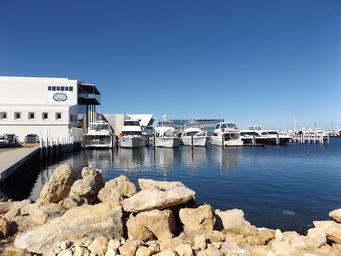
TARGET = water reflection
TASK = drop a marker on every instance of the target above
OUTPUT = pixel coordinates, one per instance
(227, 159)
(129, 160)
(194, 158)
(165, 159)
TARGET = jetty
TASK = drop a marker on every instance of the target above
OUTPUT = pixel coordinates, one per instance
(12, 159)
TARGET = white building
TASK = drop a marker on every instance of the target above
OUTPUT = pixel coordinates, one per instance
(49, 107)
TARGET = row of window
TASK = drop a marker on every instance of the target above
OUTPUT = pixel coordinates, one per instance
(60, 88)
(31, 116)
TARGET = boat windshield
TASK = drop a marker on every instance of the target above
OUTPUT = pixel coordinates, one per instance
(164, 124)
(272, 132)
(132, 133)
(253, 128)
(191, 125)
(99, 126)
(131, 123)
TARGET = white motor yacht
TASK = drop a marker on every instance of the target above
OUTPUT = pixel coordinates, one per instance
(252, 138)
(99, 135)
(272, 136)
(131, 135)
(166, 135)
(227, 135)
(192, 135)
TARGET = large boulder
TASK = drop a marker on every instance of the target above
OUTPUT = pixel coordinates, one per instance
(316, 237)
(41, 213)
(59, 185)
(229, 219)
(199, 220)
(122, 184)
(89, 186)
(110, 195)
(336, 215)
(161, 185)
(160, 223)
(333, 233)
(77, 225)
(152, 198)
(4, 228)
(15, 208)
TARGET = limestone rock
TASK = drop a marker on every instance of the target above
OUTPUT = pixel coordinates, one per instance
(212, 251)
(86, 188)
(123, 185)
(172, 243)
(229, 219)
(5, 207)
(110, 252)
(336, 215)
(15, 209)
(199, 219)
(316, 237)
(99, 246)
(4, 228)
(129, 248)
(160, 223)
(40, 213)
(168, 252)
(72, 202)
(266, 234)
(12, 251)
(111, 196)
(151, 198)
(59, 184)
(21, 223)
(96, 174)
(333, 233)
(282, 248)
(279, 235)
(161, 185)
(200, 242)
(184, 250)
(143, 251)
(323, 224)
(114, 244)
(229, 247)
(216, 236)
(77, 224)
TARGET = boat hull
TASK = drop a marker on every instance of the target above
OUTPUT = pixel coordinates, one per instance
(198, 141)
(167, 142)
(217, 140)
(97, 141)
(131, 142)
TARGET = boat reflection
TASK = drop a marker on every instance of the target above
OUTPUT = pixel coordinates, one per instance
(227, 159)
(194, 158)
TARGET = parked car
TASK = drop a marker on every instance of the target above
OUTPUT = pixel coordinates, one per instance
(12, 138)
(4, 141)
(32, 138)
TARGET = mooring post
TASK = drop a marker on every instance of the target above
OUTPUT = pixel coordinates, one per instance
(222, 140)
(254, 140)
(277, 139)
(116, 142)
(154, 139)
(192, 141)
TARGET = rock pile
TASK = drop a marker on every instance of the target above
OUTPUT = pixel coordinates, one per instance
(79, 215)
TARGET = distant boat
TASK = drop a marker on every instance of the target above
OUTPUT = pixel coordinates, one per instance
(192, 130)
(166, 135)
(251, 137)
(226, 134)
(131, 135)
(273, 137)
(99, 135)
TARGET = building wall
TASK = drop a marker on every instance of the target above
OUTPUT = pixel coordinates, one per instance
(52, 101)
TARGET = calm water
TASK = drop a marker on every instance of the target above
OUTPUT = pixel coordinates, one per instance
(276, 186)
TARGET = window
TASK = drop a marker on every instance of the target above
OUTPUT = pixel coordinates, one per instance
(62, 88)
(53, 88)
(3, 115)
(66, 88)
(58, 88)
(45, 116)
(31, 116)
(17, 115)
(70, 88)
(58, 116)
(50, 88)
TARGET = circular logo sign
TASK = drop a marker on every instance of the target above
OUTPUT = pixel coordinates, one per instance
(60, 97)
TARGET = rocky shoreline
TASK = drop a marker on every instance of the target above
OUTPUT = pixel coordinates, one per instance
(78, 214)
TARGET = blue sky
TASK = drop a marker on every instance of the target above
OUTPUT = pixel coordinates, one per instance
(253, 62)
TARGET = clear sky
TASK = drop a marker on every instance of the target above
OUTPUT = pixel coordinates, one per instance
(253, 62)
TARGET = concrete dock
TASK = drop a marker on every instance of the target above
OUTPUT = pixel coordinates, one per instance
(10, 160)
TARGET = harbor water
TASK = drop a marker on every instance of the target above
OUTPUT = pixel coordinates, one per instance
(284, 187)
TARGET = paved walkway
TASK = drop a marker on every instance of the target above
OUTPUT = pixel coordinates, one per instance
(12, 159)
